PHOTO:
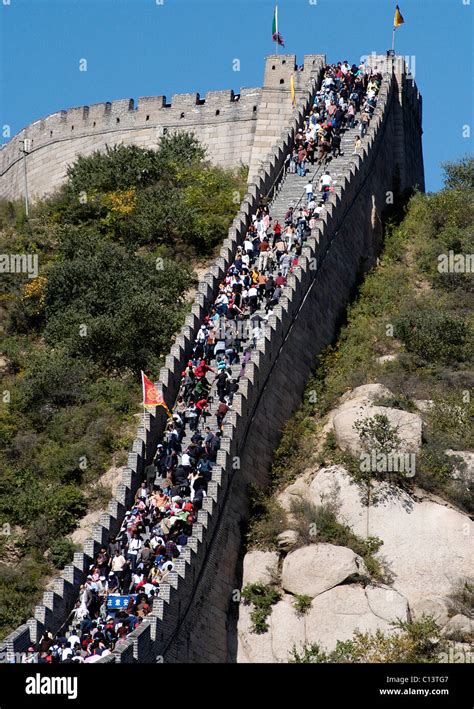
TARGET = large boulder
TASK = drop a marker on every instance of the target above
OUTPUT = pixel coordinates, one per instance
(424, 543)
(338, 613)
(459, 627)
(314, 569)
(386, 603)
(287, 629)
(260, 567)
(252, 647)
(408, 426)
(437, 608)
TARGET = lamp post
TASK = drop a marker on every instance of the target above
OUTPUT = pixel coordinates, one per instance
(25, 149)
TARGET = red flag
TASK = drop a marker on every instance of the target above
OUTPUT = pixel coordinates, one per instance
(151, 395)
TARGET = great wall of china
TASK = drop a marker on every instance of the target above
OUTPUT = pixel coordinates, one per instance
(194, 615)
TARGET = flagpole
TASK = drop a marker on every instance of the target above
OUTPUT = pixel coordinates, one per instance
(143, 396)
(276, 29)
(393, 39)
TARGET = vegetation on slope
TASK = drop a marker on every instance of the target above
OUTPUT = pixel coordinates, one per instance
(114, 246)
(415, 642)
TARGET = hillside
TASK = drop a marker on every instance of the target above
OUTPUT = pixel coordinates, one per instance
(351, 558)
(98, 280)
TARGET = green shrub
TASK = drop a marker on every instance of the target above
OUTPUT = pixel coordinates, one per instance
(267, 520)
(377, 433)
(262, 598)
(459, 175)
(302, 604)
(66, 505)
(432, 335)
(20, 588)
(62, 551)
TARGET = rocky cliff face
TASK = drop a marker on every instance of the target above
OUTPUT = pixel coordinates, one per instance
(425, 553)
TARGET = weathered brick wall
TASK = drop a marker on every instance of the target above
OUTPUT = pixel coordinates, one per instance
(194, 617)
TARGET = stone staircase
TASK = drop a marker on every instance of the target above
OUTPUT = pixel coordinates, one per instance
(292, 190)
(291, 193)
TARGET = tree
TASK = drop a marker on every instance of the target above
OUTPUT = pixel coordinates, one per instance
(111, 306)
(459, 175)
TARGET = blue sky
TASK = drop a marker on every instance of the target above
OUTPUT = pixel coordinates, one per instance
(141, 48)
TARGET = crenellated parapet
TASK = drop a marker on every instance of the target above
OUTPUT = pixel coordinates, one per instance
(235, 128)
(223, 120)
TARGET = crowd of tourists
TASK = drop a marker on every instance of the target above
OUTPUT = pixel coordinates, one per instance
(126, 574)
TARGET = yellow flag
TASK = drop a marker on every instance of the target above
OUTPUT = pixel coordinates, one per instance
(292, 89)
(398, 19)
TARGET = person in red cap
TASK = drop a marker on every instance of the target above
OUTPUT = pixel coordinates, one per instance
(201, 369)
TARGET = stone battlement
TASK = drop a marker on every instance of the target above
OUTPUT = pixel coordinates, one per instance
(224, 121)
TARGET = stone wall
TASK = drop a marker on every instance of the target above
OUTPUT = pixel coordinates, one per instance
(234, 128)
(223, 121)
(194, 617)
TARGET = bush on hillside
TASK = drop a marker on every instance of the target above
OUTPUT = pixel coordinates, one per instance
(432, 335)
(415, 642)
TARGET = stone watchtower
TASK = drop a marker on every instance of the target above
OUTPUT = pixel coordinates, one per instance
(276, 107)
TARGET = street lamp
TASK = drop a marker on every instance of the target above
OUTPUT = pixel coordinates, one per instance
(25, 148)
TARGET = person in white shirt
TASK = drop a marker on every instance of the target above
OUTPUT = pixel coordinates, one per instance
(65, 653)
(186, 460)
(73, 639)
(326, 180)
(309, 191)
(134, 546)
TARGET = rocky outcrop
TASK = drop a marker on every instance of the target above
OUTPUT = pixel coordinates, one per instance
(408, 426)
(314, 569)
(288, 629)
(338, 613)
(424, 550)
(260, 567)
(427, 569)
(334, 615)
